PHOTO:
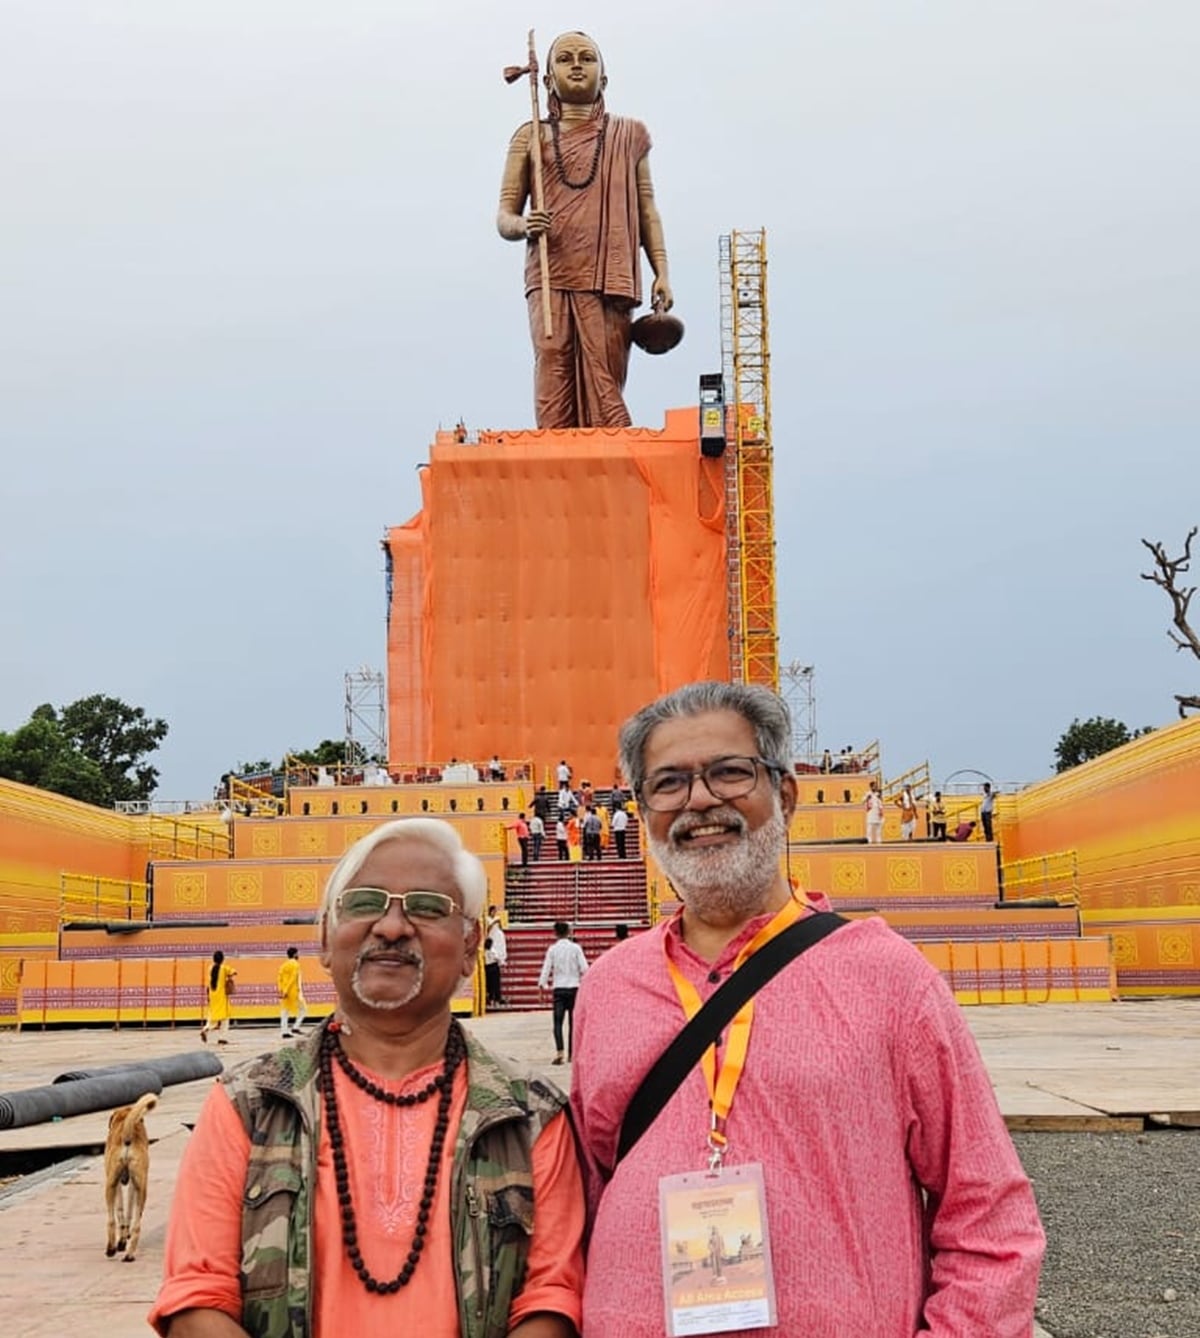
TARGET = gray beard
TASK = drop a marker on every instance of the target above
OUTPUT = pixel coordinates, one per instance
(730, 880)
(386, 1005)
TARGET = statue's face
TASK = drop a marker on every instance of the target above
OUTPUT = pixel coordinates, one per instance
(576, 70)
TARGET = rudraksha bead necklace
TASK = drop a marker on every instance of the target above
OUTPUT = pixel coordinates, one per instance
(558, 158)
(331, 1048)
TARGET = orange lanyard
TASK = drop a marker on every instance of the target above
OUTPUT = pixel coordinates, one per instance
(723, 1085)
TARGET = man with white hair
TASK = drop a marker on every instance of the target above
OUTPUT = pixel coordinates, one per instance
(388, 1173)
(841, 1117)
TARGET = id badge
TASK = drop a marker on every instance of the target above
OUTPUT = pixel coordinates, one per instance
(716, 1254)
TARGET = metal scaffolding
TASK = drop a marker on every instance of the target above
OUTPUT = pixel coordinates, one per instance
(366, 716)
(749, 507)
(799, 691)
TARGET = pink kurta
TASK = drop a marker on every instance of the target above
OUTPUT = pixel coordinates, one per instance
(862, 1085)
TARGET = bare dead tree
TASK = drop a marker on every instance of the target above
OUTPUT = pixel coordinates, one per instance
(1166, 574)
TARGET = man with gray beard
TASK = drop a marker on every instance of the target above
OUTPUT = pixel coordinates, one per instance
(841, 1127)
(389, 1174)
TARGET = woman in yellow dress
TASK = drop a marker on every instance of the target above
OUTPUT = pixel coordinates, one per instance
(220, 983)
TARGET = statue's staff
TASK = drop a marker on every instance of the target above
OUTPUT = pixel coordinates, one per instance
(511, 74)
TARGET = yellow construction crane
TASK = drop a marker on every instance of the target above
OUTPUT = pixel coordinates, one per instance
(749, 508)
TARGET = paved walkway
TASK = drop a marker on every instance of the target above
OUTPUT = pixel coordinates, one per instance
(1064, 1066)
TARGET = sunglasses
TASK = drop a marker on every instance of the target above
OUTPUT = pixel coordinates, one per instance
(369, 903)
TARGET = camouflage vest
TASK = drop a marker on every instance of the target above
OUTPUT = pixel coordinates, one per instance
(491, 1199)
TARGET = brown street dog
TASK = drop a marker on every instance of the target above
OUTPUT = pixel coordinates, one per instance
(126, 1174)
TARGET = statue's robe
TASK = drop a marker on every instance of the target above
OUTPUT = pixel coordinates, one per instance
(594, 249)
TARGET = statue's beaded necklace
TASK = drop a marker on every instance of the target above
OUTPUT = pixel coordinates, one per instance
(331, 1050)
(558, 158)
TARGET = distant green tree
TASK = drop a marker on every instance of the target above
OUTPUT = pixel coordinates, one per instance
(327, 753)
(254, 768)
(93, 749)
(1085, 739)
(118, 738)
(39, 754)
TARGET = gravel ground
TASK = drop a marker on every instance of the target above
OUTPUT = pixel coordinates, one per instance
(1122, 1218)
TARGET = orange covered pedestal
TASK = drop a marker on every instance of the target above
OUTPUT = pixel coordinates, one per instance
(553, 582)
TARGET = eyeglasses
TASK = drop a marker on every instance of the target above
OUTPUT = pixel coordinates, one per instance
(725, 778)
(369, 903)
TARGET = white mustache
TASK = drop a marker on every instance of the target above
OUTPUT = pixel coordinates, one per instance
(405, 956)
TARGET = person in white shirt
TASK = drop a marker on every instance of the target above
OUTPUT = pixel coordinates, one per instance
(537, 834)
(560, 839)
(563, 772)
(495, 955)
(620, 824)
(873, 802)
(562, 971)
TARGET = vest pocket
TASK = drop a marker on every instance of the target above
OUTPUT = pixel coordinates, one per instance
(267, 1206)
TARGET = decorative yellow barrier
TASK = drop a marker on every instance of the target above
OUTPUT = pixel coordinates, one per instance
(14, 949)
(1156, 949)
(407, 801)
(832, 790)
(259, 891)
(962, 923)
(134, 992)
(304, 838)
(911, 875)
(1027, 971)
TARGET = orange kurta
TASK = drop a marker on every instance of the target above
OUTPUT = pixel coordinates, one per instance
(387, 1153)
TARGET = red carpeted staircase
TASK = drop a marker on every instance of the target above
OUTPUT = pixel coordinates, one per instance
(593, 896)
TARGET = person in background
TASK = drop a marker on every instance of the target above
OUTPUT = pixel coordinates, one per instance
(562, 970)
(592, 827)
(908, 813)
(291, 995)
(521, 827)
(937, 817)
(620, 828)
(537, 835)
(220, 986)
(495, 957)
(873, 802)
(987, 810)
(560, 839)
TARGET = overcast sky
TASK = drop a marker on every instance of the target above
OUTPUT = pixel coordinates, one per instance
(248, 266)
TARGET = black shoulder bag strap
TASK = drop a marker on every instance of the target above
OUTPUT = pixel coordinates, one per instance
(683, 1054)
